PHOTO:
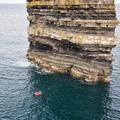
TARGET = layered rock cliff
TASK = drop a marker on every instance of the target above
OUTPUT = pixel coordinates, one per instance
(73, 36)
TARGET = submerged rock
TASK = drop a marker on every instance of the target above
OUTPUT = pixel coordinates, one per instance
(73, 36)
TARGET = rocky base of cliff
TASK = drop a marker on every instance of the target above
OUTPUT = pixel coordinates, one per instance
(91, 63)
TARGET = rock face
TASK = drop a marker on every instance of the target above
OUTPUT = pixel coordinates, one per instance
(73, 36)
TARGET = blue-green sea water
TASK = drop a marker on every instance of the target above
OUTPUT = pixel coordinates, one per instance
(64, 97)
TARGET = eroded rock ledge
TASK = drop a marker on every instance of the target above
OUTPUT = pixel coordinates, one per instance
(73, 36)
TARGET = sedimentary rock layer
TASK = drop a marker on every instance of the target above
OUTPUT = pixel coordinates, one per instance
(73, 37)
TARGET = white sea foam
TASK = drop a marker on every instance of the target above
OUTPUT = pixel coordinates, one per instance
(46, 71)
(22, 64)
(43, 71)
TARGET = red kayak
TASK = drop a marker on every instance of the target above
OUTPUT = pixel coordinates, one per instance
(39, 93)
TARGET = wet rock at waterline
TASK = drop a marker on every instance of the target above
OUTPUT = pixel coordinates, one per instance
(74, 37)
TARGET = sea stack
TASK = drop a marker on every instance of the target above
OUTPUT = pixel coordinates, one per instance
(73, 36)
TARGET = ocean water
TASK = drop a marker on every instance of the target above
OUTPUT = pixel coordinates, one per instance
(64, 97)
